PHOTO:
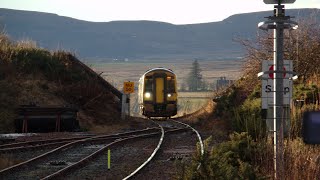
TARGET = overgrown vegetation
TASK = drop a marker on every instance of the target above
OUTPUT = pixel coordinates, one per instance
(229, 160)
(249, 155)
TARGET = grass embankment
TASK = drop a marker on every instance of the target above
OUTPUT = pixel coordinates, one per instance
(248, 154)
(29, 74)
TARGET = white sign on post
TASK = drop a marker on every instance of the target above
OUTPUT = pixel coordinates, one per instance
(268, 81)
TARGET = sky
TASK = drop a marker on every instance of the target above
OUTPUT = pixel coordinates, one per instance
(171, 11)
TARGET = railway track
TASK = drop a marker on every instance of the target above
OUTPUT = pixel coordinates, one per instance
(29, 145)
(175, 147)
(21, 146)
(130, 160)
(86, 156)
(45, 164)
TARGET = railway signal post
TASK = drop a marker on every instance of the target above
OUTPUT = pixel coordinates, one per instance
(278, 22)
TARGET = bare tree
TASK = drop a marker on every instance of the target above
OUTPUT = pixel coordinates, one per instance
(302, 46)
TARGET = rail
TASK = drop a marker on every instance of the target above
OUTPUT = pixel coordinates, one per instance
(199, 138)
(160, 142)
(150, 158)
(91, 156)
(12, 168)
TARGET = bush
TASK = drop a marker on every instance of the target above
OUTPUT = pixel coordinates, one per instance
(247, 118)
(229, 160)
(55, 66)
(228, 100)
(243, 110)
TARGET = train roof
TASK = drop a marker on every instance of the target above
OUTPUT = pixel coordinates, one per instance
(155, 69)
(159, 68)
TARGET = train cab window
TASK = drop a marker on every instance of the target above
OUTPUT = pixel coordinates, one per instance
(148, 84)
(170, 84)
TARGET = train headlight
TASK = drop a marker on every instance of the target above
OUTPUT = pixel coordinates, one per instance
(169, 95)
(147, 95)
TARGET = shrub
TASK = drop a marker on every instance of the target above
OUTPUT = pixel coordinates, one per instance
(247, 118)
(229, 160)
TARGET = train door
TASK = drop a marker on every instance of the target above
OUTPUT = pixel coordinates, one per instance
(159, 90)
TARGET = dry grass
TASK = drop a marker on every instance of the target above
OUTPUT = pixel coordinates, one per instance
(26, 43)
(203, 113)
(30, 74)
(301, 161)
(199, 113)
(38, 89)
(190, 105)
(113, 128)
(207, 95)
(117, 73)
(188, 102)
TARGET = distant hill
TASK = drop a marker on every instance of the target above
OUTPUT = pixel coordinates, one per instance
(137, 39)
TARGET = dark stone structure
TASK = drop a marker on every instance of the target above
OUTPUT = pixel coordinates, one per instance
(32, 118)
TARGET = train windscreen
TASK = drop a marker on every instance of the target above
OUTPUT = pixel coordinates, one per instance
(170, 84)
(148, 84)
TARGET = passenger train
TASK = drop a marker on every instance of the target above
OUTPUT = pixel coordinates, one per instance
(158, 93)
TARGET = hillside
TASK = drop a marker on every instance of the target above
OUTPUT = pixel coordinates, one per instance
(137, 39)
(31, 75)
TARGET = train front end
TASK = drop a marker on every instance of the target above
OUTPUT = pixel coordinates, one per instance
(158, 93)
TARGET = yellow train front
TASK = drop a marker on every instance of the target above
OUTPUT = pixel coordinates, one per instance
(158, 93)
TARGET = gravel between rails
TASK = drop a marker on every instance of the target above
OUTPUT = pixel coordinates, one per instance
(24, 155)
(26, 149)
(125, 158)
(68, 155)
(37, 144)
(177, 149)
(44, 166)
